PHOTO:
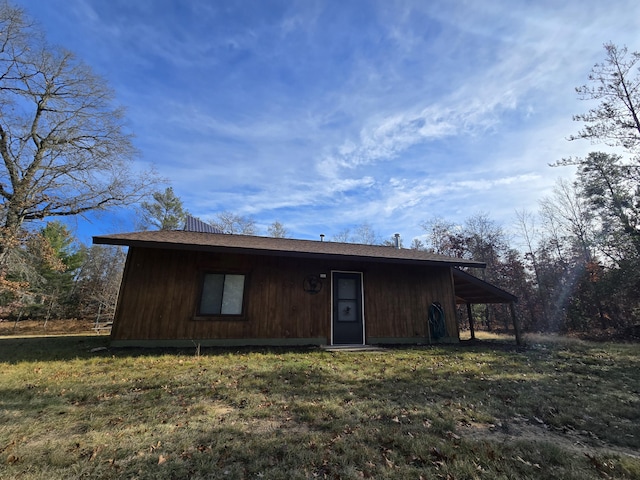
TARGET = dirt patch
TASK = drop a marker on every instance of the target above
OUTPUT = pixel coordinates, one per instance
(521, 429)
(52, 327)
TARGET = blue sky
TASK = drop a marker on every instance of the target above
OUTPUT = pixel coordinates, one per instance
(325, 115)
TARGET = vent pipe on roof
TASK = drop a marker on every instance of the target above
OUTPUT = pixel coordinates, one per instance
(322, 237)
(397, 240)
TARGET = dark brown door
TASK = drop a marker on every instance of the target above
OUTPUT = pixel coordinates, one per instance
(347, 309)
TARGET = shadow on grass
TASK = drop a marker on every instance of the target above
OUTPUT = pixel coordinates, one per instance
(15, 349)
(50, 348)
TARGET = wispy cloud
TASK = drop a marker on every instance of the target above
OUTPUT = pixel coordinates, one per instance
(326, 116)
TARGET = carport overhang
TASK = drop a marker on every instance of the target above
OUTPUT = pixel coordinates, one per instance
(471, 290)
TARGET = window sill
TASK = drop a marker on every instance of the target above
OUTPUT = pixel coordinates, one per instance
(219, 318)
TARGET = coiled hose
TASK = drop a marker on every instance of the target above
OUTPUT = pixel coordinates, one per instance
(437, 324)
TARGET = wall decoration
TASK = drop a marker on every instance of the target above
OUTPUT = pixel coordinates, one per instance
(312, 284)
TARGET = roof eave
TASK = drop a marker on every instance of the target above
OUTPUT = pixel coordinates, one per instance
(98, 240)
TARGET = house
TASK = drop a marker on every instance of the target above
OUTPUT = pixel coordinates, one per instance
(182, 288)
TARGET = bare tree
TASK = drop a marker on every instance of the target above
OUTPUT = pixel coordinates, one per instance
(277, 230)
(568, 210)
(343, 236)
(417, 244)
(98, 281)
(529, 233)
(229, 222)
(444, 237)
(485, 238)
(63, 144)
(365, 234)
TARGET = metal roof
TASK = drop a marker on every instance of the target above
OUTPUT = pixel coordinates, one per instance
(193, 224)
(248, 244)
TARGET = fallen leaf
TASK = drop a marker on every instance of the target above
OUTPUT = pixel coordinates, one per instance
(161, 459)
(95, 452)
(435, 452)
(452, 435)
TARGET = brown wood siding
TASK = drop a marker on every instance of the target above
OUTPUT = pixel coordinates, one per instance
(161, 288)
(397, 300)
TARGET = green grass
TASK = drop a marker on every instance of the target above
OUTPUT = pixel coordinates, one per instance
(555, 409)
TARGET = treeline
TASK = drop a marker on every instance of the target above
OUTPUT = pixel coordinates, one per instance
(53, 277)
(571, 270)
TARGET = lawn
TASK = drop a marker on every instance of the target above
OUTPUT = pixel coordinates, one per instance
(70, 408)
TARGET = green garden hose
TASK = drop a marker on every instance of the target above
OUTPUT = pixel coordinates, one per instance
(436, 321)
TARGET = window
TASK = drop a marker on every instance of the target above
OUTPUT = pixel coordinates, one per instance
(222, 294)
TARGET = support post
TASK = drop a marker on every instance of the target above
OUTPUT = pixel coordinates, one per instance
(516, 325)
(471, 326)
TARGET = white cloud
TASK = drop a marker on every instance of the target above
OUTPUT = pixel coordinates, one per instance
(386, 113)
